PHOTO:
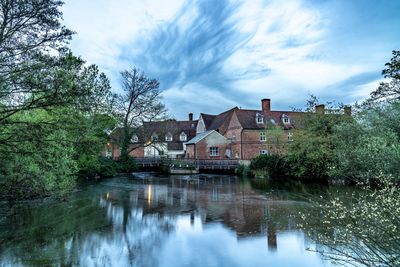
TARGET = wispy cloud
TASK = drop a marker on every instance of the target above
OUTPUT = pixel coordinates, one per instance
(212, 55)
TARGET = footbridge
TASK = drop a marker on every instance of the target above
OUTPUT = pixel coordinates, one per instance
(200, 164)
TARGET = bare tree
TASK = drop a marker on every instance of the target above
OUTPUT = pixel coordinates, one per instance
(139, 102)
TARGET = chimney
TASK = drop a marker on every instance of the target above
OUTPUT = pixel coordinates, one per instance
(320, 109)
(347, 110)
(266, 105)
(190, 116)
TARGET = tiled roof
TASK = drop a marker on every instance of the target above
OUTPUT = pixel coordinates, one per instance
(247, 118)
(161, 128)
(218, 122)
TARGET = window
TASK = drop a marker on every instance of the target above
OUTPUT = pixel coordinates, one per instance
(263, 152)
(183, 137)
(213, 151)
(259, 118)
(154, 138)
(285, 119)
(168, 137)
(234, 137)
(134, 139)
(263, 137)
(290, 136)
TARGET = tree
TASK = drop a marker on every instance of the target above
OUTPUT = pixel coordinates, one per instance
(30, 32)
(370, 146)
(311, 153)
(139, 102)
(388, 91)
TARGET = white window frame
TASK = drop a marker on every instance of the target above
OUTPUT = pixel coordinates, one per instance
(285, 119)
(154, 137)
(168, 137)
(134, 139)
(263, 137)
(183, 137)
(213, 151)
(264, 152)
(259, 119)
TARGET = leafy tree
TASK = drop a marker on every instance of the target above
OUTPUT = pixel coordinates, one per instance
(370, 147)
(311, 153)
(389, 91)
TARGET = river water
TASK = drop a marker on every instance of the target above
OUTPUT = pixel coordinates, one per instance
(154, 220)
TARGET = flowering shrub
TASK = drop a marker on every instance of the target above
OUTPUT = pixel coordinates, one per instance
(359, 228)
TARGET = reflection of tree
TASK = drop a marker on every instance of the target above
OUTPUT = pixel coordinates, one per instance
(136, 218)
(358, 229)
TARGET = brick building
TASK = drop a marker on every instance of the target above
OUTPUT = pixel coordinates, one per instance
(248, 133)
(155, 139)
(234, 134)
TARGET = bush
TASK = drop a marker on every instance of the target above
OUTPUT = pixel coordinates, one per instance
(269, 165)
(127, 165)
(244, 171)
(108, 167)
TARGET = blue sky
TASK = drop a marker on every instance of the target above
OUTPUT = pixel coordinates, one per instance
(212, 55)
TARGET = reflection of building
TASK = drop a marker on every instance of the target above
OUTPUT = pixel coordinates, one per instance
(214, 199)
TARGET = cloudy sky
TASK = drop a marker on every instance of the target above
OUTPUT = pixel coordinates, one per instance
(212, 55)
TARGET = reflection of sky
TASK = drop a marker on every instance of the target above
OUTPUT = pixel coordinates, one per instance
(169, 238)
(190, 244)
(212, 221)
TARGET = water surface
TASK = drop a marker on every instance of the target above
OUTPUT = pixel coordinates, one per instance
(154, 220)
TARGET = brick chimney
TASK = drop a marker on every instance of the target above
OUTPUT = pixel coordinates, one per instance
(190, 116)
(347, 110)
(320, 109)
(266, 105)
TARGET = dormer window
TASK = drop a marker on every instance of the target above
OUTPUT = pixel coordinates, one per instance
(134, 139)
(285, 119)
(168, 137)
(259, 118)
(154, 137)
(183, 137)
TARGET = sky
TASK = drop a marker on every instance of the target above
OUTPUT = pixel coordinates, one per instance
(212, 55)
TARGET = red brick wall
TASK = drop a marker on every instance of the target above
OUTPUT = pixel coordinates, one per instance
(251, 144)
(202, 151)
(137, 153)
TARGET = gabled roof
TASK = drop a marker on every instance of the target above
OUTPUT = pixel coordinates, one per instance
(199, 137)
(218, 122)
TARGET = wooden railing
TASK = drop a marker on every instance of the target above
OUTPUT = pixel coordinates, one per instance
(197, 163)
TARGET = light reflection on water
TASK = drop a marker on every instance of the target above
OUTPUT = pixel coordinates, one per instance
(161, 221)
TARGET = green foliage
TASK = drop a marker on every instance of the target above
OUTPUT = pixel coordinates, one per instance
(37, 169)
(371, 148)
(311, 154)
(108, 167)
(269, 166)
(126, 165)
(244, 171)
(357, 229)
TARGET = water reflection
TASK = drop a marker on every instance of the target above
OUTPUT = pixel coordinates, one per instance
(153, 220)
